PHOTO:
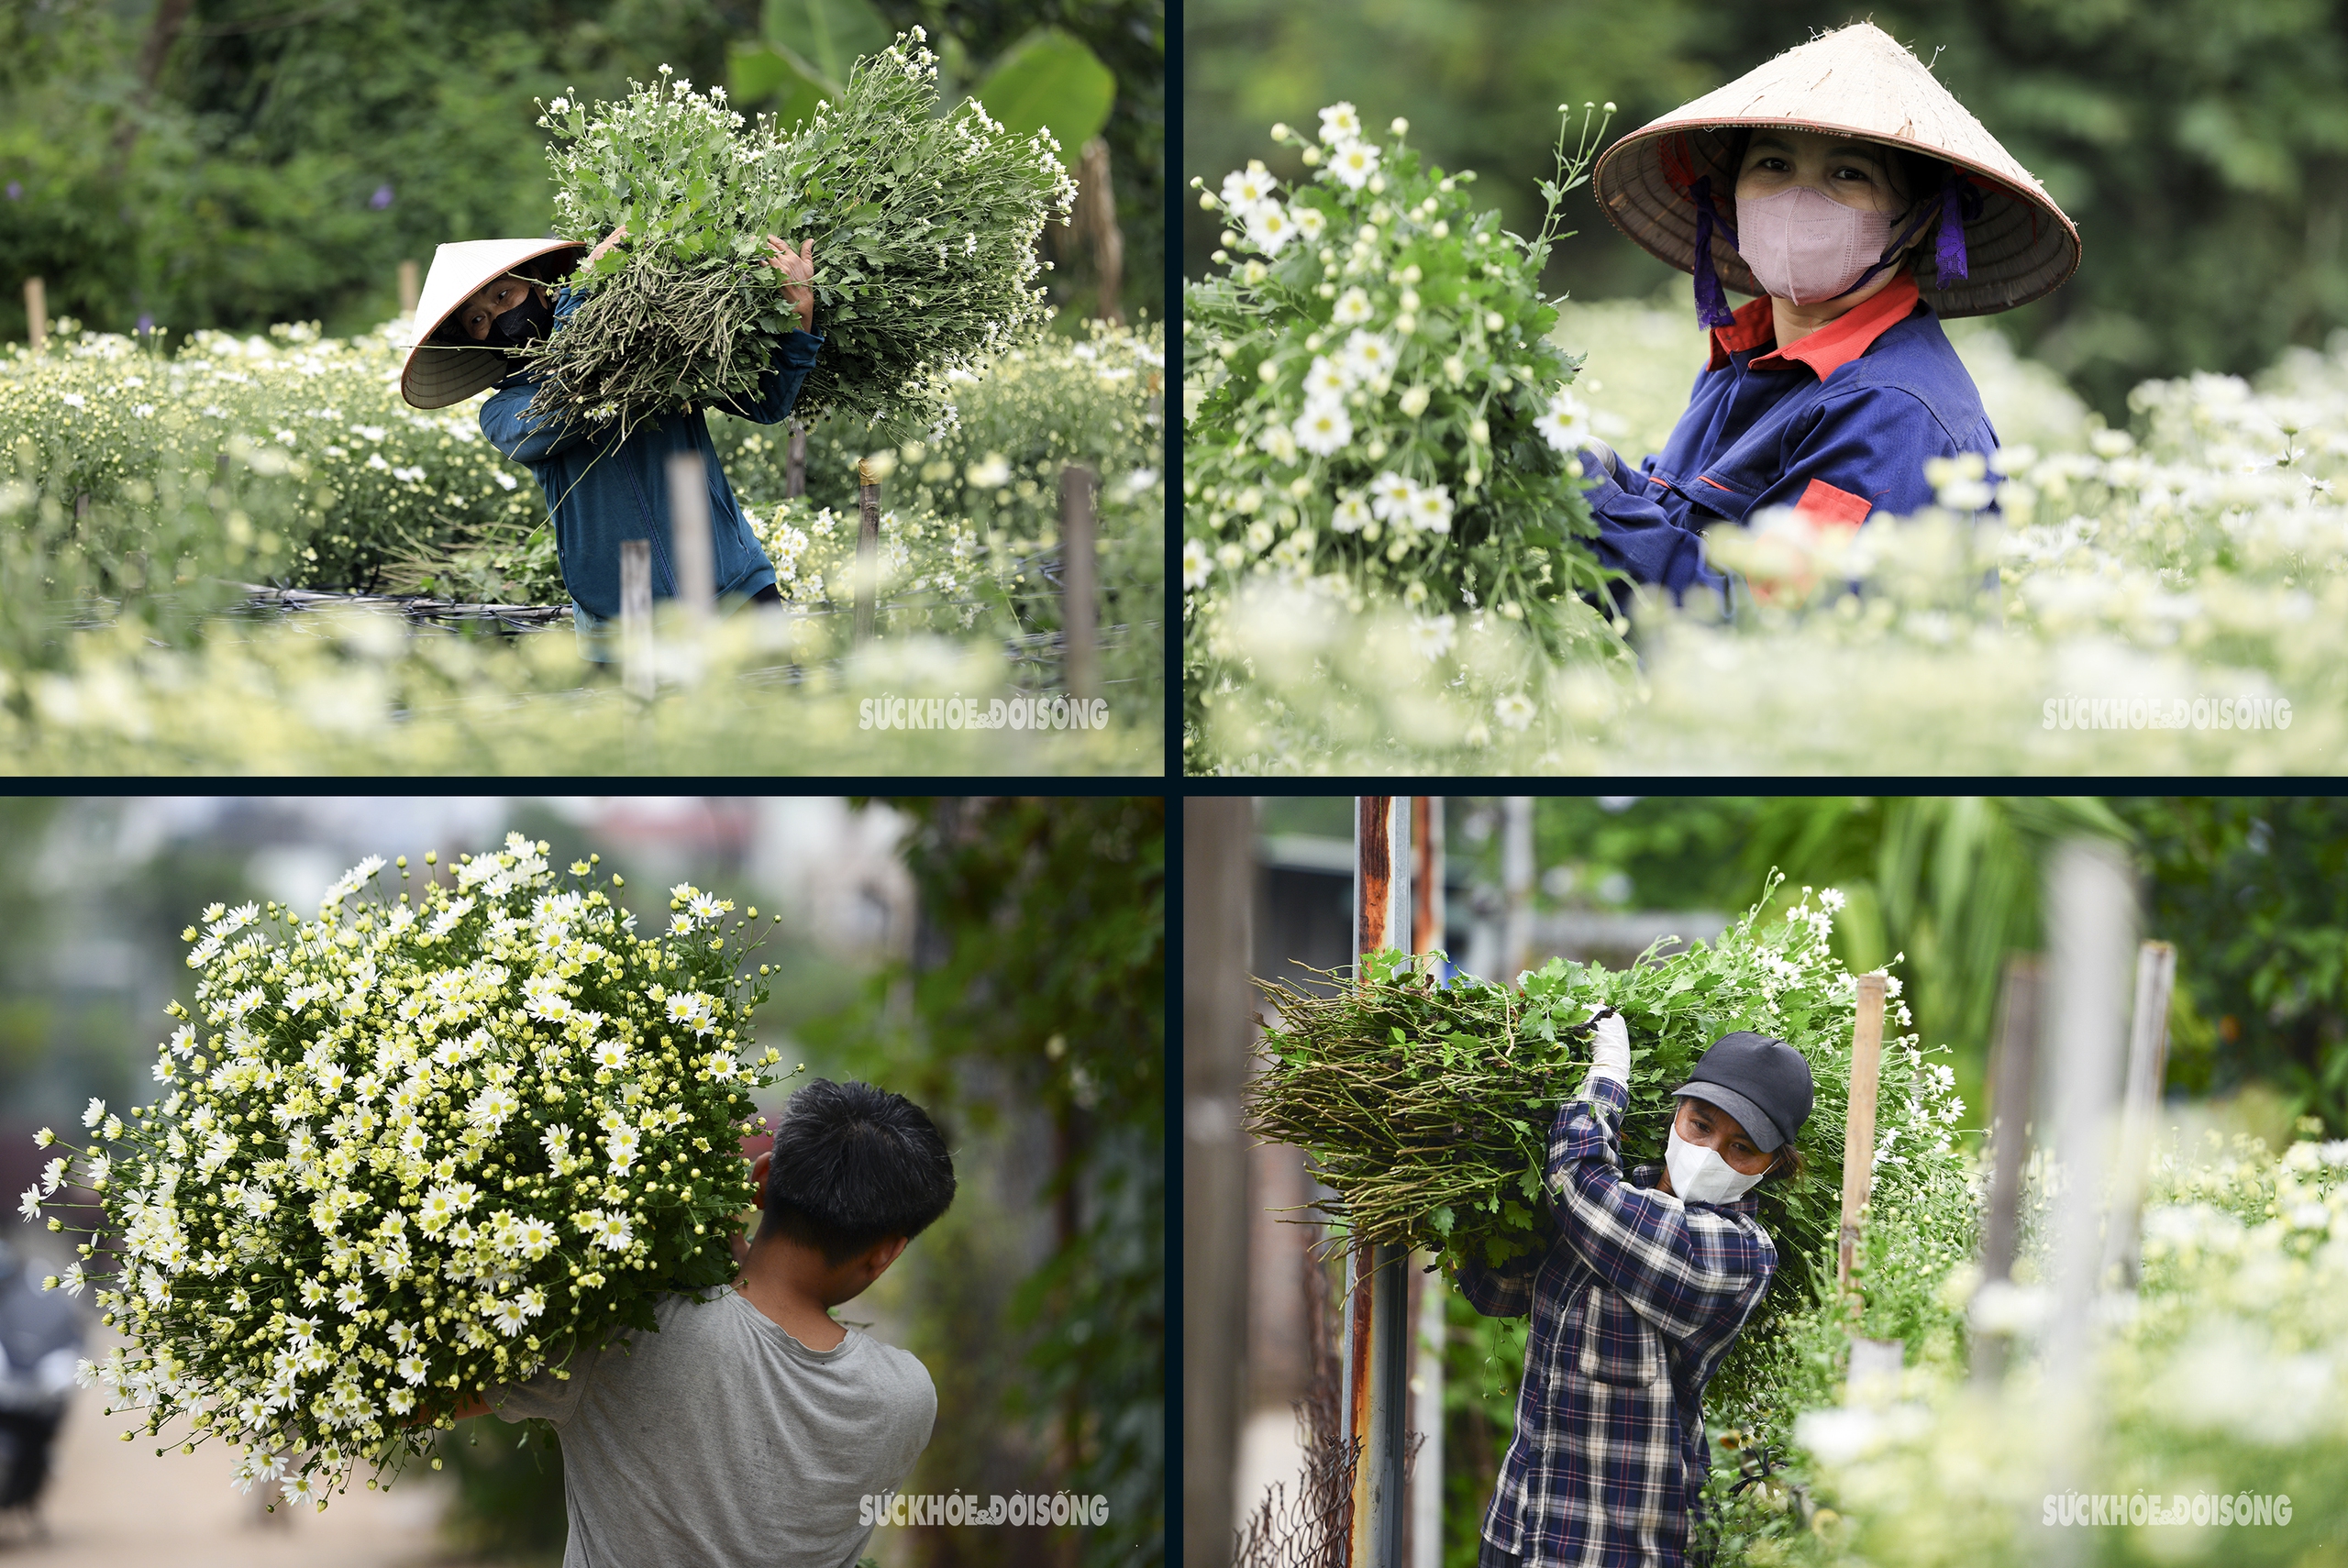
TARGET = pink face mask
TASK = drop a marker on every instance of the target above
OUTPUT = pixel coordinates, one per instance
(1805, 247)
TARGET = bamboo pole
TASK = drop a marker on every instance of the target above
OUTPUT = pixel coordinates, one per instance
(635, 618)
(868, 548)
(689, 535)
(2013, 1078)
(2140, 1104)
(36, 314)
(1080, 569)
(1858, 1134)
(408, 290)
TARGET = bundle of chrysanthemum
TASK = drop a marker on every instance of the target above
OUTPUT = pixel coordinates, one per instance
(924, 231)
(412, 1149)
(1426, 1109)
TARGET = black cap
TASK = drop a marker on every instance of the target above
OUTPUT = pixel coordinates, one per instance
(1764, 1083)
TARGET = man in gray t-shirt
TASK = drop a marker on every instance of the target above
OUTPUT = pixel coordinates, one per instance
(747, 1430)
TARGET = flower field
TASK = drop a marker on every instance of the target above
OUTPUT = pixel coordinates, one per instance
(2167, 597)
(137, 488)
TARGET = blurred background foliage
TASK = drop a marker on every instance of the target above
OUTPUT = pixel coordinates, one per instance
(2201, 146)
(234, 163)
(2252, 890)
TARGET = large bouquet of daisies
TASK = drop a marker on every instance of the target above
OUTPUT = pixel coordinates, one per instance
(925, 235)
(416, 1147)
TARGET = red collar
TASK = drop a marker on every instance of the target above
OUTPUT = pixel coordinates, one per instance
(1829, 347)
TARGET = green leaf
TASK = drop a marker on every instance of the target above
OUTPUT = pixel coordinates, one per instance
(1050, 79)
(827, 35)
(761, 75)
(1442, 1219)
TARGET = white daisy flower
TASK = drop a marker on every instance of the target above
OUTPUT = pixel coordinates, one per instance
(1270, 227)
(52, 1175)
(1391, 497)
(1431, 509)
(94, 1114)
(613, 1231)
(1327, 378)
(1246, 190)
(29, 1205)
(1351, 513)
(1515, 710)
(680, 924)
(1323, 427)
(350, 1296)
(1339, 122)
(610, 1054)
(1565, 424)
(1197, 566)
(1367, 357)
(1352, 308)
(1353, 164)
(1310, 222)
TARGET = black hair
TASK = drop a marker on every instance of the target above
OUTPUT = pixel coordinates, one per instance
(853, 1165)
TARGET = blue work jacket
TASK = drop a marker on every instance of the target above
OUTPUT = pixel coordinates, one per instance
(1839, 425)
(601, 491)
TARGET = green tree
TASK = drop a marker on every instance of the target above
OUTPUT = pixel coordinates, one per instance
(1037, 982)
(2254, 890)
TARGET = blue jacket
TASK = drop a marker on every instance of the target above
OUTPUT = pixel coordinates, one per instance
(601, 491)
(1839, 425)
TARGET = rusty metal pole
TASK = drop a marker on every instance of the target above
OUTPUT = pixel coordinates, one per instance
(1376, 1352)
(1434, 1290)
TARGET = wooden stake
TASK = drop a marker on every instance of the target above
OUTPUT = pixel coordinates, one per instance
(689, 535)
(868, 548)
(407, 288)
(794, 473)
(2140, 1102)
(635, 617)
(36, 314)
(1858, 1134)
(1079, 567)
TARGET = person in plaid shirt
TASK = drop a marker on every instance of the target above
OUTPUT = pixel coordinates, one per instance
(1644, 1283)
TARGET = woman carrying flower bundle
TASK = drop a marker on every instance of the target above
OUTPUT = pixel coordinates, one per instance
(1849, 190)
(485, 299)
(1646, 1283)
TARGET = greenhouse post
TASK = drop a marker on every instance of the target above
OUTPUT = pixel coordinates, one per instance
(1376, 1385)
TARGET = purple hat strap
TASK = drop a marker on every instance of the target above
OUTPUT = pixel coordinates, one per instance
(1958, 203)
(1711, 301)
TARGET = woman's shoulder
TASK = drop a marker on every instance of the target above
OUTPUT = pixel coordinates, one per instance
(1913, 368)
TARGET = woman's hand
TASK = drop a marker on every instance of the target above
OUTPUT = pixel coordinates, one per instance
(798, 267)
(609, 241)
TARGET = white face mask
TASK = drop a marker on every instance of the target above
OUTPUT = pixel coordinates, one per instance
(1699, 1175)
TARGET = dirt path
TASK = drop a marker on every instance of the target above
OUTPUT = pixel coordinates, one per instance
(112, 1504)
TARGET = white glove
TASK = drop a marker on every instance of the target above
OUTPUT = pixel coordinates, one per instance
(1610, 1050)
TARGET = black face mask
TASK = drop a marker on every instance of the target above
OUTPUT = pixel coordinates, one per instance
(527, 322)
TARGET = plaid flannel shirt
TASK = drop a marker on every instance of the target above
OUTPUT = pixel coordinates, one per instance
(1634, 1303)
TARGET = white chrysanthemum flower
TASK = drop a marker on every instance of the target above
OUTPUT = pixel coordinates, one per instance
(1270, 227)
(1340, 122)
(94, 1114)
(1323, 427)
(1392, 496)
(680, 924)
(1431, 636)
(1565, 424)
(1431, 509)
(609, 1229)
(1352, 511)
(1351, 309)
(350, 1296)
(721, 1064)
(610, 1053)
(1367, 356)
(357, 875)
(1246, 190)
(71, 1280)
(1327, 378)
(1197, 566)
(620, 1146)
(29, 1205)
(1353, 164)
(52, 1175)
(533, 1239)
(1310, 222)
(1515, 710)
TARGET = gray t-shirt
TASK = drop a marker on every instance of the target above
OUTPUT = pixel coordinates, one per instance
(723, 1441)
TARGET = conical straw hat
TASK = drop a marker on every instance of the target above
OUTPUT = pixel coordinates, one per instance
(435, 374)
(1853, 81)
